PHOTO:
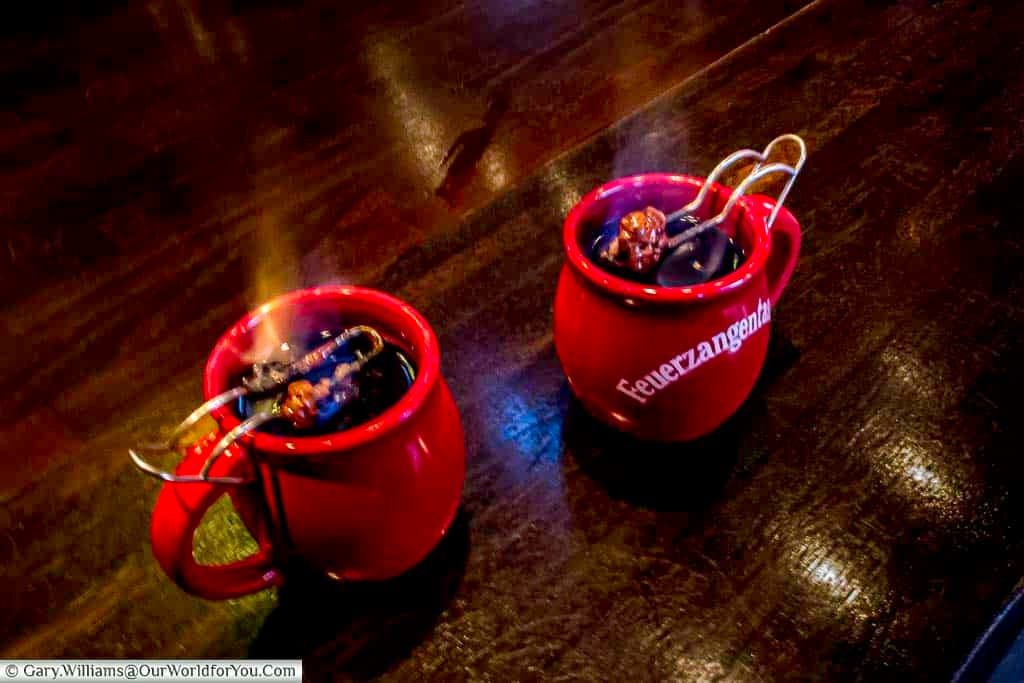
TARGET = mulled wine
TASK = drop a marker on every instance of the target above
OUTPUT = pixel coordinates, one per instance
(709, 255)
(360, 396)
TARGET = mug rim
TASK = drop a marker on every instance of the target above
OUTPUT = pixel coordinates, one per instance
(748, 211)
(400, 314)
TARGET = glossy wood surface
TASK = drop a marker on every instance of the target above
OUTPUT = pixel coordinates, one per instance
(167, 165)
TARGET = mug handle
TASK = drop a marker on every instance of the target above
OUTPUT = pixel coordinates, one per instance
(179, 510)
(784, 236)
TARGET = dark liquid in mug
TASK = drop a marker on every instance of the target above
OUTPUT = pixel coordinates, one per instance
(709, 256)
(381, 383)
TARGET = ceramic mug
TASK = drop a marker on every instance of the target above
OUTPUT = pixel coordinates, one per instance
(366, 503)
(669, 363)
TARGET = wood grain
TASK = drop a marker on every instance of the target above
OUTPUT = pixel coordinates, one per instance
(166, 166)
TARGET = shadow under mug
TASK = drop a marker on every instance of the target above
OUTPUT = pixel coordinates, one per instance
(366, 503)
(669, 363)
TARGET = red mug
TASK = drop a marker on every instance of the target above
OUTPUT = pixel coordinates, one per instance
(366, 503)
(669, 363)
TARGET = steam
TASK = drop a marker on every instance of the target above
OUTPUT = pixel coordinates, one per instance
(651, 142)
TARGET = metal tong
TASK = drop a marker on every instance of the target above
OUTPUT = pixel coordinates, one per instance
(261, 382)
(759, 171)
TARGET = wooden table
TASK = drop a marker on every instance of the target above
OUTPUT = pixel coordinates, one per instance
(167, 165)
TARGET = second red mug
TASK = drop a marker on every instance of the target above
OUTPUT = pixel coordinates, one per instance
(366, 503)
(669, 363)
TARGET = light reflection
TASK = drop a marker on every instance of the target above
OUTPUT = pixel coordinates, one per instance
(418, 454)
(819, 560)
(523, 429)
(200, 36)
(832, 569)
(833, 578)
(925, 476)
(565, 188)
(922, 470)
(495, 168)
(909, 231)
(908, 372)
(525, 426)
(157, 11)
(700, 670)
(239, 43)
(569, 199)
(414, 119)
